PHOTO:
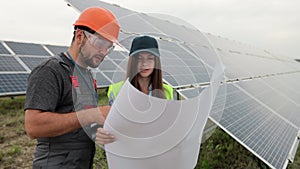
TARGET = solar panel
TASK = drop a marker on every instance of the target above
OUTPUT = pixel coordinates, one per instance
(115, 76)
(233, 70)
(118, 55)
(112, 69)
(254, 125)
(288, 83)
(118, 11)
(169, 79)
(27, 48)
(119, 59)
(182, 64)
(280, 103)
(126, 39)
(3, 50)
(33, 62)
(207, 54)
(57, 49)
(179, 32)
(9, 63)
(11, 84)
(107, 65)
(190, 93)
(118, 62)
(230, 45)
(102, 81)
(136, 19)
(252, 62)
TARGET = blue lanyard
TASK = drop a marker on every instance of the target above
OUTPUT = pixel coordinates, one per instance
(85, 80)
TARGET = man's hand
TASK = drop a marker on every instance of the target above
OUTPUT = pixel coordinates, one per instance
(93, 115)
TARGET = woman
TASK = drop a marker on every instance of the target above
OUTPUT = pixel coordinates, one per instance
(144, 73)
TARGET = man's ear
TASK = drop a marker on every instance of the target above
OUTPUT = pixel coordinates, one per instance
(79, 37)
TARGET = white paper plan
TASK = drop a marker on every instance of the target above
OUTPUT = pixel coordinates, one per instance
(155, 133)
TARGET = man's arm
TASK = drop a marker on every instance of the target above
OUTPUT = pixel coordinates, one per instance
(40, 124)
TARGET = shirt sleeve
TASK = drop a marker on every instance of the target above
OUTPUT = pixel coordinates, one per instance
(43, 91)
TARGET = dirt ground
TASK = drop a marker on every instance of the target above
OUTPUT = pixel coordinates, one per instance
(16, 149)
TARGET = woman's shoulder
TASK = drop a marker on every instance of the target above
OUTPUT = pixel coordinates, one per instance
(167, 87)
(117, 85)
(114, 88)
(168, 90)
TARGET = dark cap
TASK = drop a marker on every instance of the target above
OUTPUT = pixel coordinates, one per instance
(144, 44)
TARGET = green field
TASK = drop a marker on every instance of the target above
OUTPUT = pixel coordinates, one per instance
(220, 151)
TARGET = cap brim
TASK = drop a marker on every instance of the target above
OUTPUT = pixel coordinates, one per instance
(145, 50)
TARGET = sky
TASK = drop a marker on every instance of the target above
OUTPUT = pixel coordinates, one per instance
(272, 25)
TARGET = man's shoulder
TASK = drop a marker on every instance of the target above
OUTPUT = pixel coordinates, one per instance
(53, 64)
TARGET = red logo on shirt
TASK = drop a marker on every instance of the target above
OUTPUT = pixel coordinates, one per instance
(74, 80)
(95, 84)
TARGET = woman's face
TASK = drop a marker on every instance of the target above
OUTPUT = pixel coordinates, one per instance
(145, 64)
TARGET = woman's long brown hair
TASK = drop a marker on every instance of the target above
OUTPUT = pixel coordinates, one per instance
(156, 76)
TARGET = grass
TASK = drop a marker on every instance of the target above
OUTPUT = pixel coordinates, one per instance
(222, 151)
(16, 149)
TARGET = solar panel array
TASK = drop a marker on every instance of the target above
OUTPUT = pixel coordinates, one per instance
(262, 104)
(258, 104)
(243, 108)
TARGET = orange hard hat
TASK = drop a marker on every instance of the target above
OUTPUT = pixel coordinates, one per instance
(101, 21)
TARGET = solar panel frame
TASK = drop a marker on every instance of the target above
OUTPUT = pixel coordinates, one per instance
(3, 49)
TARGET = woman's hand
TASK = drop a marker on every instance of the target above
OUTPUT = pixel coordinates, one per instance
(103, 137)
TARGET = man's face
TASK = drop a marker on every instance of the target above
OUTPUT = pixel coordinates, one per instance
(94, 49)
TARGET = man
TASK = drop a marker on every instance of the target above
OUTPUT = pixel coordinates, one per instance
(61, 99)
